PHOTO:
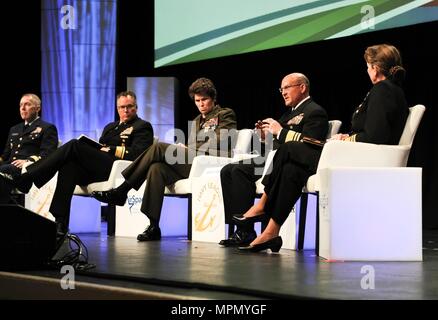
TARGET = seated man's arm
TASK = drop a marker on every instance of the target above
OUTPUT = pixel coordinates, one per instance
(49, 143)
(141, 138)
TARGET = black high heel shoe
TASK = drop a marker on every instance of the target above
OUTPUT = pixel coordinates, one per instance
(241, 220)
(274, 244)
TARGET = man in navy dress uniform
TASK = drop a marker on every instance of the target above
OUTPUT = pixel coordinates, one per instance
(28, 141)
(80, 163)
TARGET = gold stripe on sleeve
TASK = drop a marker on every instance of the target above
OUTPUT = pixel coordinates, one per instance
(120, 152)
(293, 136)
(351, 138)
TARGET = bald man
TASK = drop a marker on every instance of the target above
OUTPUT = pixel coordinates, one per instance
(304, 118)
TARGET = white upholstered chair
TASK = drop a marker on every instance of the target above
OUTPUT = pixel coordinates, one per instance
(333, 128)
(183, 188)
(342, 154)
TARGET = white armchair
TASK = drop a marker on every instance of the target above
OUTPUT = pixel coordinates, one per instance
(333, 128)
(209, 221)
(341, 154)
(113, 180)
(183, 188)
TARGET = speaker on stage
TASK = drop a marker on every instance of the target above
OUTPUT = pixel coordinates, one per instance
(27, 240)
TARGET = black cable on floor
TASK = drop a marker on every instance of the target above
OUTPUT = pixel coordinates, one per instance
(77, 256)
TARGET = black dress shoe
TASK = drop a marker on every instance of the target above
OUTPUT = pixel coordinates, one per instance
(7, 182)
(112, 196)
(150, 234)
(241, 220)
(5, 190)
(61, 229)
(23, 185)
(239, 238)
(274, 244)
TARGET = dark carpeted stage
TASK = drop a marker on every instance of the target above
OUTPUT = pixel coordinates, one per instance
(175, 268)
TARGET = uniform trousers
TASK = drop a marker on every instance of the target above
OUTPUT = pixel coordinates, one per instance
(5, 189)
(77, 163)
(160, 165)
(238, 185)
(293, 164)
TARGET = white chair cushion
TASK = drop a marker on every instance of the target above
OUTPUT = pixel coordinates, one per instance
(312, 184)
(182, 186)
(96, 186)
(114, 177)
(260, 188)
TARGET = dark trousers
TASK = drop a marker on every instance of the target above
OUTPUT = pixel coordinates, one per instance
(77, 163)
(10, 169)
(5, 189)
(153, 167)
(293, 164)
(238, 185)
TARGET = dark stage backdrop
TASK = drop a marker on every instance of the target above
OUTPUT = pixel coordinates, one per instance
(248, 82)
(336, 68)
(20, 59)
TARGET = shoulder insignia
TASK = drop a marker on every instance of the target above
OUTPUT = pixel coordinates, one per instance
(295, 120)
(127, 131)
(37, 130)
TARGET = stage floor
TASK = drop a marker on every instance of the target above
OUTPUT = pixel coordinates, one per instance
(197, 270)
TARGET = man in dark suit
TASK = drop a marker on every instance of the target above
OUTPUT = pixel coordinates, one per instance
(79, 163)
(304, 119)
(164, 164)
(28, 142)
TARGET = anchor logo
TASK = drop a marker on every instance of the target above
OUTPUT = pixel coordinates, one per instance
(200, 218)
(206, 219)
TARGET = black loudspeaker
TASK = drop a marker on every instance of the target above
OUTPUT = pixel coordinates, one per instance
(27, 240)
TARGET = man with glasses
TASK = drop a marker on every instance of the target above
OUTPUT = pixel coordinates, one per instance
(28, 141)
(80, 163)
(305, 118)
(209, 134)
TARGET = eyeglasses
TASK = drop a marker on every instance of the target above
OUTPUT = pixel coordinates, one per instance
(288, 86)
(128, 106)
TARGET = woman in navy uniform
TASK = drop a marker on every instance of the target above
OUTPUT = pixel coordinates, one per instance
(379, 119)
